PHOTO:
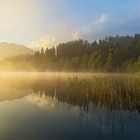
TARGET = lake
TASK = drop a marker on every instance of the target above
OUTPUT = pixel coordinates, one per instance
(69, 106)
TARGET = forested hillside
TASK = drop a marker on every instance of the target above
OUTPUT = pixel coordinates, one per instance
(111, 54)
(10, 49)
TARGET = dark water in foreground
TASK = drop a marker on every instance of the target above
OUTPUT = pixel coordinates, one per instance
(62, 107)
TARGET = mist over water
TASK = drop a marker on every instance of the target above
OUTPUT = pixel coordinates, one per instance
(69, 70)
(69, 106)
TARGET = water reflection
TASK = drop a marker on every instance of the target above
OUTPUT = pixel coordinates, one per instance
(97, 107)
(42, 101)
(112, 93)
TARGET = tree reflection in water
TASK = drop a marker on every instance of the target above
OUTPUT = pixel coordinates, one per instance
(108, 99)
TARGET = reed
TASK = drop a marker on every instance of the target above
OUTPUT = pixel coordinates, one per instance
(110, 91)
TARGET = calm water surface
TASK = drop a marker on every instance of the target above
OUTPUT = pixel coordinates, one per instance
(58, 106)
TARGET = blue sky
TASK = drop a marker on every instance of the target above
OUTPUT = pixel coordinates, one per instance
(54, 21)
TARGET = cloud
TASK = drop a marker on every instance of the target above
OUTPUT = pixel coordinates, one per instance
(103, 19)
(85, 31)
(106, 25)
(92, 28)
(45, 42)
(42, 101)
(76, 35)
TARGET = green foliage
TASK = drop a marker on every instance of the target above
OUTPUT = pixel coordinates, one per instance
(119, 53)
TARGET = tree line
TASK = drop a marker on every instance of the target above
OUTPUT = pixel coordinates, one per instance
(110, 54)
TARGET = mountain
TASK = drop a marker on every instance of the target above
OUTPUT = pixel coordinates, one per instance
(11, 49)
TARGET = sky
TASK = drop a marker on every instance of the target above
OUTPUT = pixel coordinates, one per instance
(49, 22)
